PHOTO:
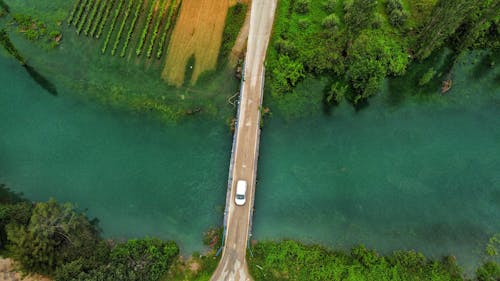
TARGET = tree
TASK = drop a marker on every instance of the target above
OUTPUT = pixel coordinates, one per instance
(55, 235)
(302, 6)
(395, 11)
(134, 260)
(490, 271)
(481, 27)
(445, 18)
(336, 93)
(331, 22)
(329, 5)
(358, 15)
(373, 56)
(287, 73)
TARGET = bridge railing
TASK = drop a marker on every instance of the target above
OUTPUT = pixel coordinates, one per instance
(256, 157)
(231, 163)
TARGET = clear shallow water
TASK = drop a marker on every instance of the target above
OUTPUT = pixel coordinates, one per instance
(421, 175)
(403, 173)
(139, 177)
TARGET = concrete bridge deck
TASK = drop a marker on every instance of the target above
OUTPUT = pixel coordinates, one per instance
(233, 265)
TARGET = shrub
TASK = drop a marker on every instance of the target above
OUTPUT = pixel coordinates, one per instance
(55, 235)
(331, 22)
(396, 13)
(302, 6)
(489, 271)
(329, 6)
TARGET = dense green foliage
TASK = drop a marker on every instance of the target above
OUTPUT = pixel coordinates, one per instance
(54, 239)
(359, 43)
(55, 234)
(290, 260)
(134, 260)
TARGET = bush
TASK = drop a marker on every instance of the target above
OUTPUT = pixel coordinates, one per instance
(330, 22)
(302, 6)
(489, 271)
(396, 13)
(358, 15)
(329, 6)
(303, 23)
(55, 235)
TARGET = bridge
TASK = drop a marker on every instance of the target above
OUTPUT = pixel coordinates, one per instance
(243, 166)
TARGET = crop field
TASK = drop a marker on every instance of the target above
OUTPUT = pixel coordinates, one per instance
(198, 35)
(139, 28)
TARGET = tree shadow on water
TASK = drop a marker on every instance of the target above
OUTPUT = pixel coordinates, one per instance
(399, 88)
(41, 80)
(4, 6)
(484, 66)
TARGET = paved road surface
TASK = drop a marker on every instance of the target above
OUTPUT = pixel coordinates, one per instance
(233, 266)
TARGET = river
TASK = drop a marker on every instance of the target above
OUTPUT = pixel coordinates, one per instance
(418, 173)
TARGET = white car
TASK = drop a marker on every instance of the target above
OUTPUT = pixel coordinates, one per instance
(241, 190)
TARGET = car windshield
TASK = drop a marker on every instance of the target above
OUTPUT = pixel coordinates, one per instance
(240, 196)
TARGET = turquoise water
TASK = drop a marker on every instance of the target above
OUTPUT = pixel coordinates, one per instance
(138, 176)
(421, 175)
(405, 172)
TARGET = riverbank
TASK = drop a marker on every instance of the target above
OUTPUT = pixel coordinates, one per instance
(129, 83)
(9, 272)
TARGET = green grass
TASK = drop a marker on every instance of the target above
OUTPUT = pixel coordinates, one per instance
(234, 21)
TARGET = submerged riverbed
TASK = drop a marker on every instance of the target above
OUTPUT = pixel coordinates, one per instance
(404, 173)
(139, 177)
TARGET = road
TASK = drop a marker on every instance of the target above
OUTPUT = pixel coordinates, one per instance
(233, 265)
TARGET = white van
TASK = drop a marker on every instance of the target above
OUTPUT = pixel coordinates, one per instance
(241, 190)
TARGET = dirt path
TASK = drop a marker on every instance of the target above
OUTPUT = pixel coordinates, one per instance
(233, 265)
(8, 273)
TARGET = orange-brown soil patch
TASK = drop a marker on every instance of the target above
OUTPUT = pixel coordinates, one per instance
(198, 33)
(9, 273)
